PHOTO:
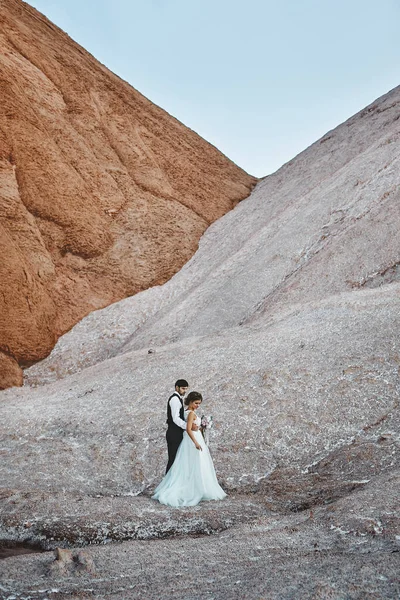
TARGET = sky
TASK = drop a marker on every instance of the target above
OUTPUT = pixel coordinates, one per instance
(259, 79)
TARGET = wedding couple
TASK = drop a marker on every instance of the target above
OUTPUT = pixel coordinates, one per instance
(190, 476)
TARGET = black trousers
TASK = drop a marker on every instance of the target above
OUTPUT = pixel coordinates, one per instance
(174, 438)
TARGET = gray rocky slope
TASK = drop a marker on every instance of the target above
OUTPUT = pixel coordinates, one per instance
(287, 319)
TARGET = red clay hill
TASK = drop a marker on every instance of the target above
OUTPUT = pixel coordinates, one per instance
(102, 193)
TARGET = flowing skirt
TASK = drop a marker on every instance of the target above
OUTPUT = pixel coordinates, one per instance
(191, 478)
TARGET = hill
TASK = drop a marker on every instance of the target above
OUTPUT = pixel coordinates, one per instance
(102, 193)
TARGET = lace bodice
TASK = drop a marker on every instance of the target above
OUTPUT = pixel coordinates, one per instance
(197, 419)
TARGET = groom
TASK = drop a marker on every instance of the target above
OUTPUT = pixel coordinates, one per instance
(176, 420)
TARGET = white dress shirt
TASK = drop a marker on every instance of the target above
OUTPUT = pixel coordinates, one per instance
(176, 405)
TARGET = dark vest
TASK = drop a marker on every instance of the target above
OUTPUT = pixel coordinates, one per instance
(170, 422)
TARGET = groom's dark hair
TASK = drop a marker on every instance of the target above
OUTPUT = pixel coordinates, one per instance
(181, 383)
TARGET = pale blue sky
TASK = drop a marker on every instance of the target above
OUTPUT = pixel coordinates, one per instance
(260, 79)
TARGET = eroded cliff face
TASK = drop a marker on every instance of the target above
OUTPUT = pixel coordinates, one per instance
(102, 193)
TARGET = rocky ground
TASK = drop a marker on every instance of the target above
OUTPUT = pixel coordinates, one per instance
(349, 548)
(306, 446)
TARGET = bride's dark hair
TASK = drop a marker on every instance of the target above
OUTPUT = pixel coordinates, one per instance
(192, 396)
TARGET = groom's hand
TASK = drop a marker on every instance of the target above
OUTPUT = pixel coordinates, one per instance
(195, 427)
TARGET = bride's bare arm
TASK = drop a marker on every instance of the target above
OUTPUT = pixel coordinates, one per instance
(190, 420)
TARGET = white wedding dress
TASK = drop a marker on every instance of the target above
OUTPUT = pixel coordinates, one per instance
(192, 476)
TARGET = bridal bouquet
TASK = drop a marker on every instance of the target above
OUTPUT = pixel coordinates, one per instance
(206, 425)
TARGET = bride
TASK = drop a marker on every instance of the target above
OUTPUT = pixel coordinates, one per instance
(192, 476)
